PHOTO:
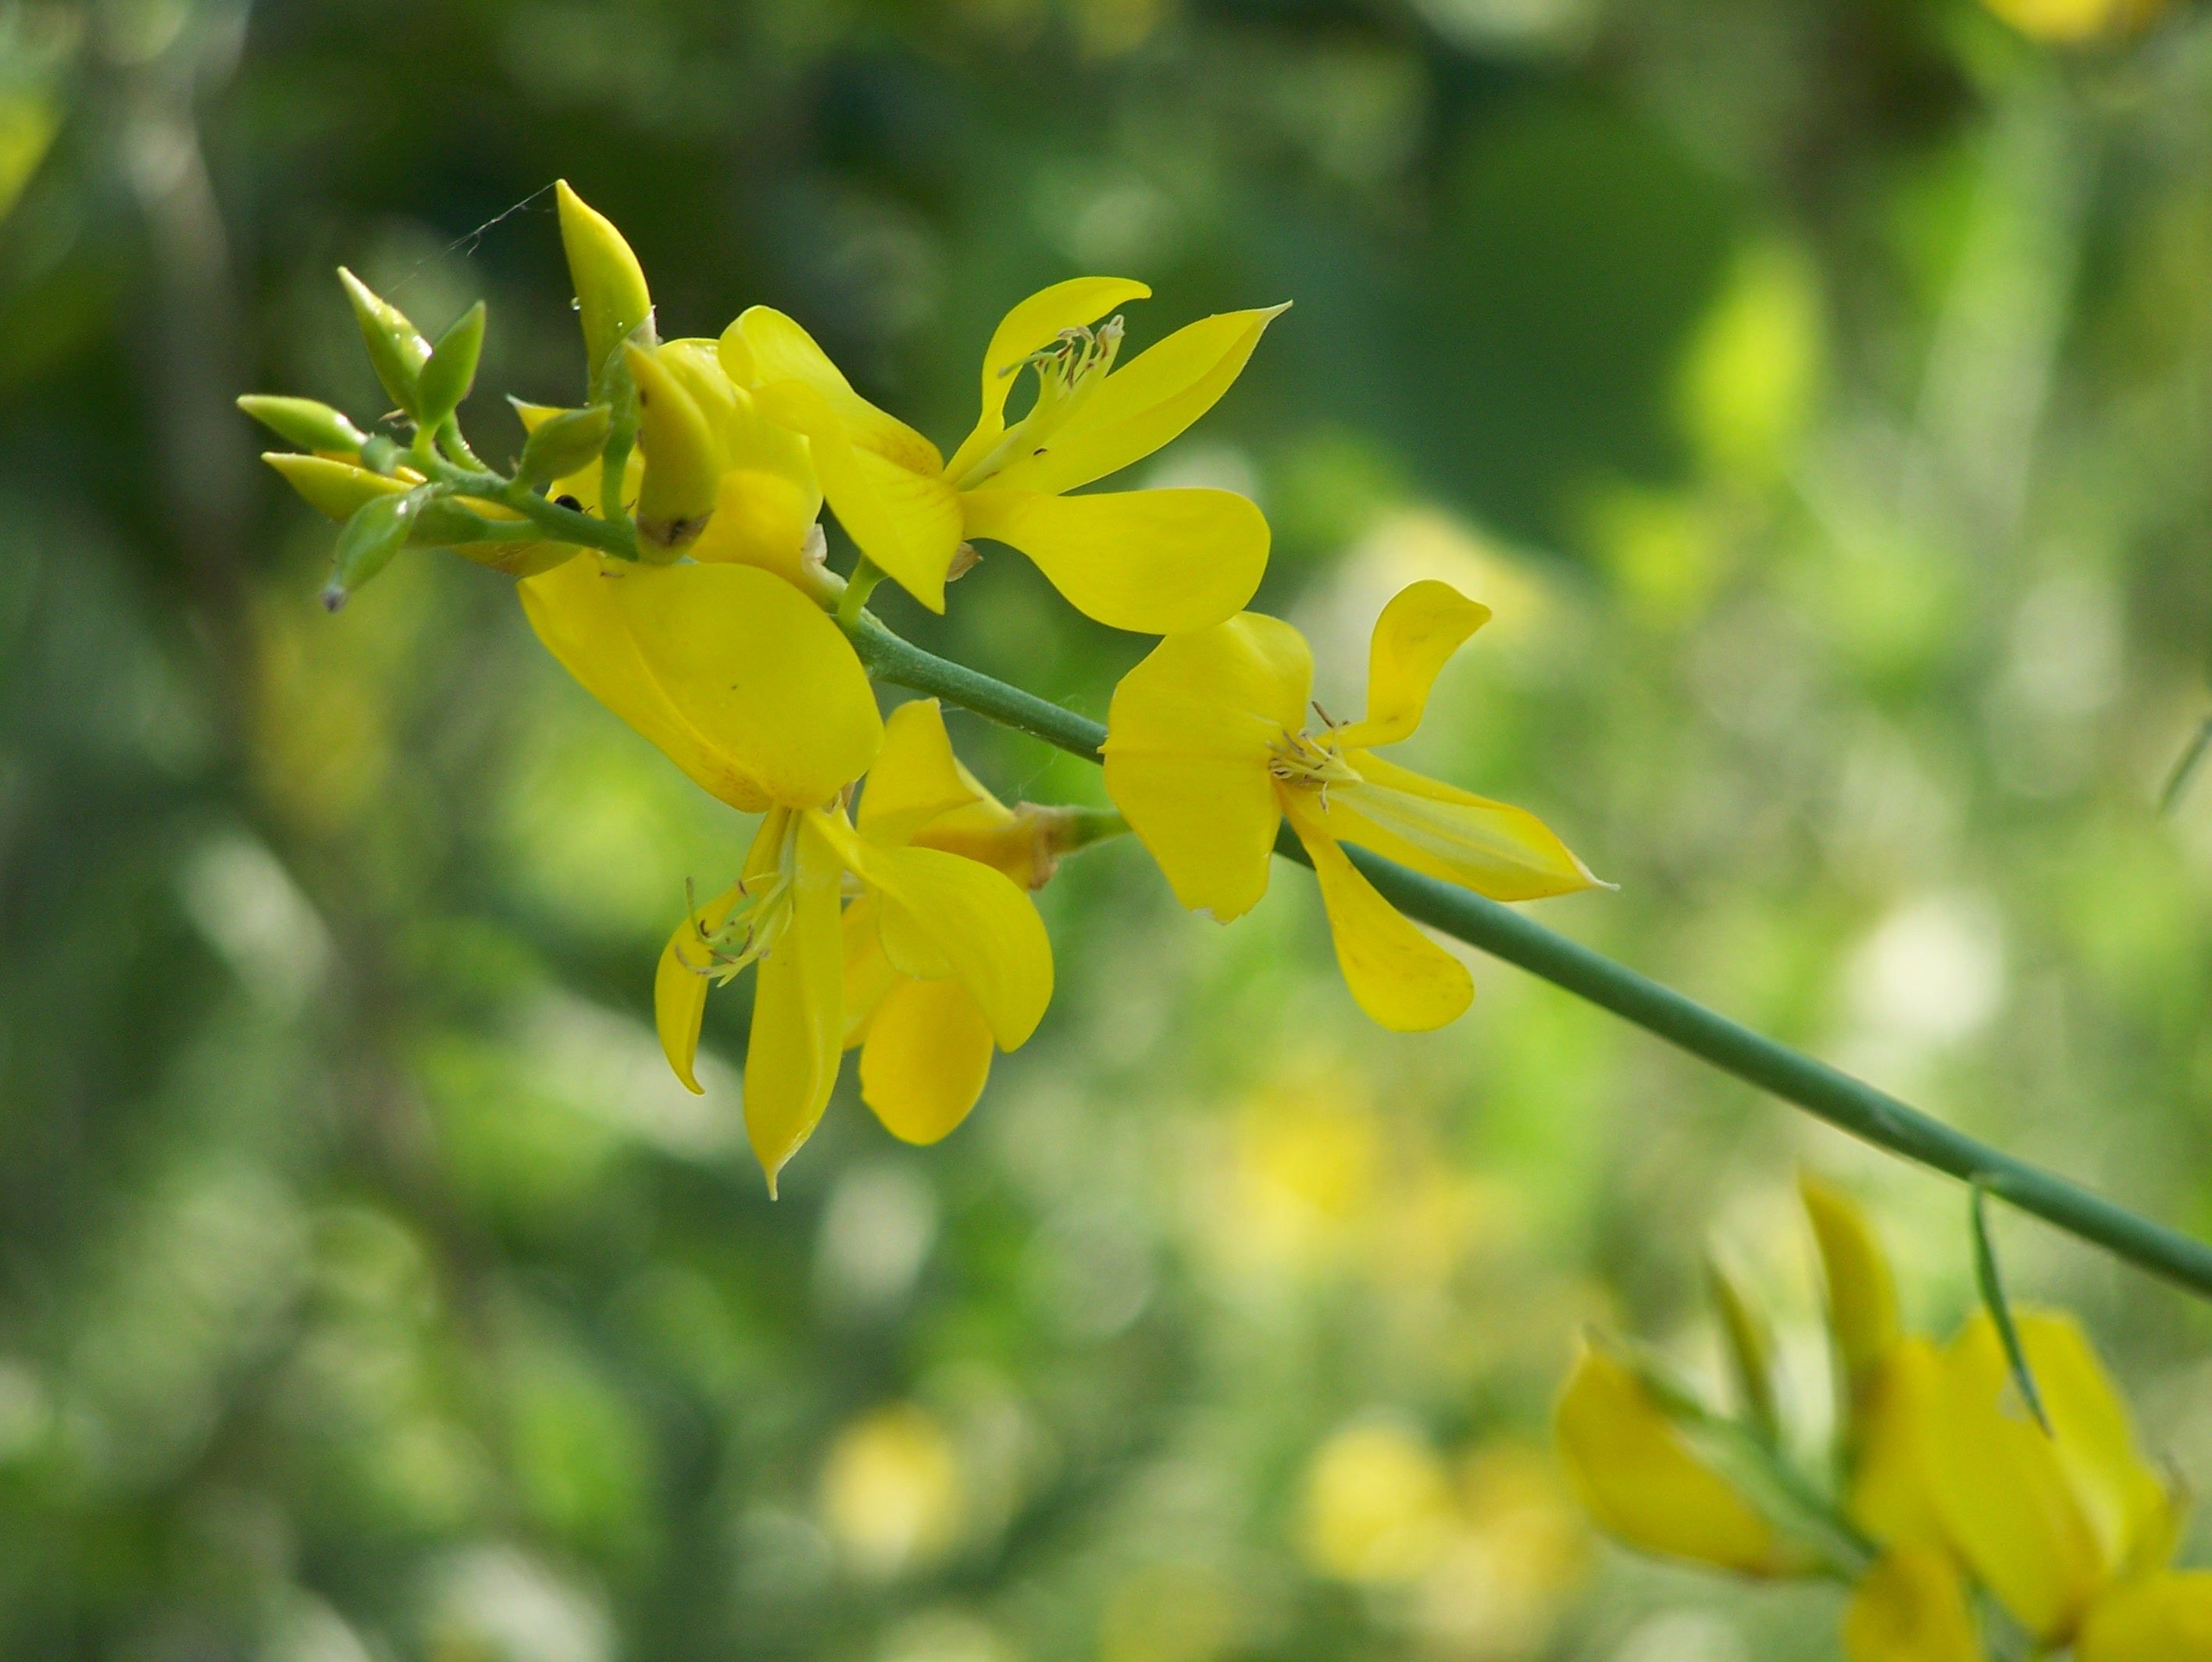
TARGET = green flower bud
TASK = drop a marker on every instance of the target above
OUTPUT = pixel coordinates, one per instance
(396, 349)
(451, 369)
(563, 444)
(1750, 1349)
(611, 299)
(310, 425)
(376, 532)
(337, 489)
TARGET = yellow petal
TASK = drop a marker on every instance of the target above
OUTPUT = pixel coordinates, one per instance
(2044, 1521)
(683, 455)
(869, 976)
(760, 518)
(927, 1054)
(1421, 628)
(942, 915)
(1189, 738)
(1025, 330)
(1887, 1496)
(2160, 1618)
(916, 778)
(1911, 1607)
(1156, 561)
(744, 682)
(1400, 977)
(1863, 1324)
(680, 984)
(764, 347)
(798, 1016)
(1643, 1483)
(908, 523)
(1448, 834)
(1144, 403)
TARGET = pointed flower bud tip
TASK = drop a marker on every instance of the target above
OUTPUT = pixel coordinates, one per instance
(612, 303)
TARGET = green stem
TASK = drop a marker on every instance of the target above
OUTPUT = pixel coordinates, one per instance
(564, 524)
(1827, 1093)
(857, 587)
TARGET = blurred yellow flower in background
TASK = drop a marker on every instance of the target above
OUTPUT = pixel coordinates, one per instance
(891, 1495)
(1377, 1506)
(2074, 22)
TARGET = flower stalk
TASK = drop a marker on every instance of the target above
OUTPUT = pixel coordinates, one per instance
(1827, 1093)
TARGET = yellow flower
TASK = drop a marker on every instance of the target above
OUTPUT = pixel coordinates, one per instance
(2076, 23)
(926, 1044)
(938, 959)
(2159, 1618)
(1209, 750)
(1152, 560)
(741, 680)
(1911, 1607)
(2048, 1522)
(1642, 1481)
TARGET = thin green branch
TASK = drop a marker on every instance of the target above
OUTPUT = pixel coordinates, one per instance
(1827, 1093)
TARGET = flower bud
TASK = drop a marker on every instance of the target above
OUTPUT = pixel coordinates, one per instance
(397, 349)
(376, 532)
(683, 456)
(305, 422)
(337, 489)
(563, 443)
(612, 301)
(451, 369)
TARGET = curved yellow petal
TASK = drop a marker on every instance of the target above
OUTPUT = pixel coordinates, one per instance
(680, 983)
(1453, 835)
(1911, 1607)
(1887, 1494)
(682, 449)
(1141, 405)
(2160, 1618)
(1154, 561)
(1863, 1324)
(1422, 626)
(916, 779)
(760, 518)
(764, 347)
(928, 1054)
(1643, 1483)
(1027, 329)
(742, 681)
(2044, 1521)
(1189, 737)
(1400, 977)
(940, 915)
(908, 521)
(799, 1015)
(869, 976)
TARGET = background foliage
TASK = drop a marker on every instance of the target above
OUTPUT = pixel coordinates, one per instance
(1820, 389)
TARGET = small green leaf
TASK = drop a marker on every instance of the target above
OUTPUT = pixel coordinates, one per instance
(1750, 1349)
(303, 421)
(397, 349)
(451, 369)
(560, 445)
(1993, 1295)
(2184, 767)
(377, 531)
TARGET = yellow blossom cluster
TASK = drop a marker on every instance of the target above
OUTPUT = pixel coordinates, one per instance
(1962, 1482)
(667, 535)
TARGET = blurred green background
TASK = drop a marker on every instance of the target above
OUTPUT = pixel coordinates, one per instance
(1821, 391)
